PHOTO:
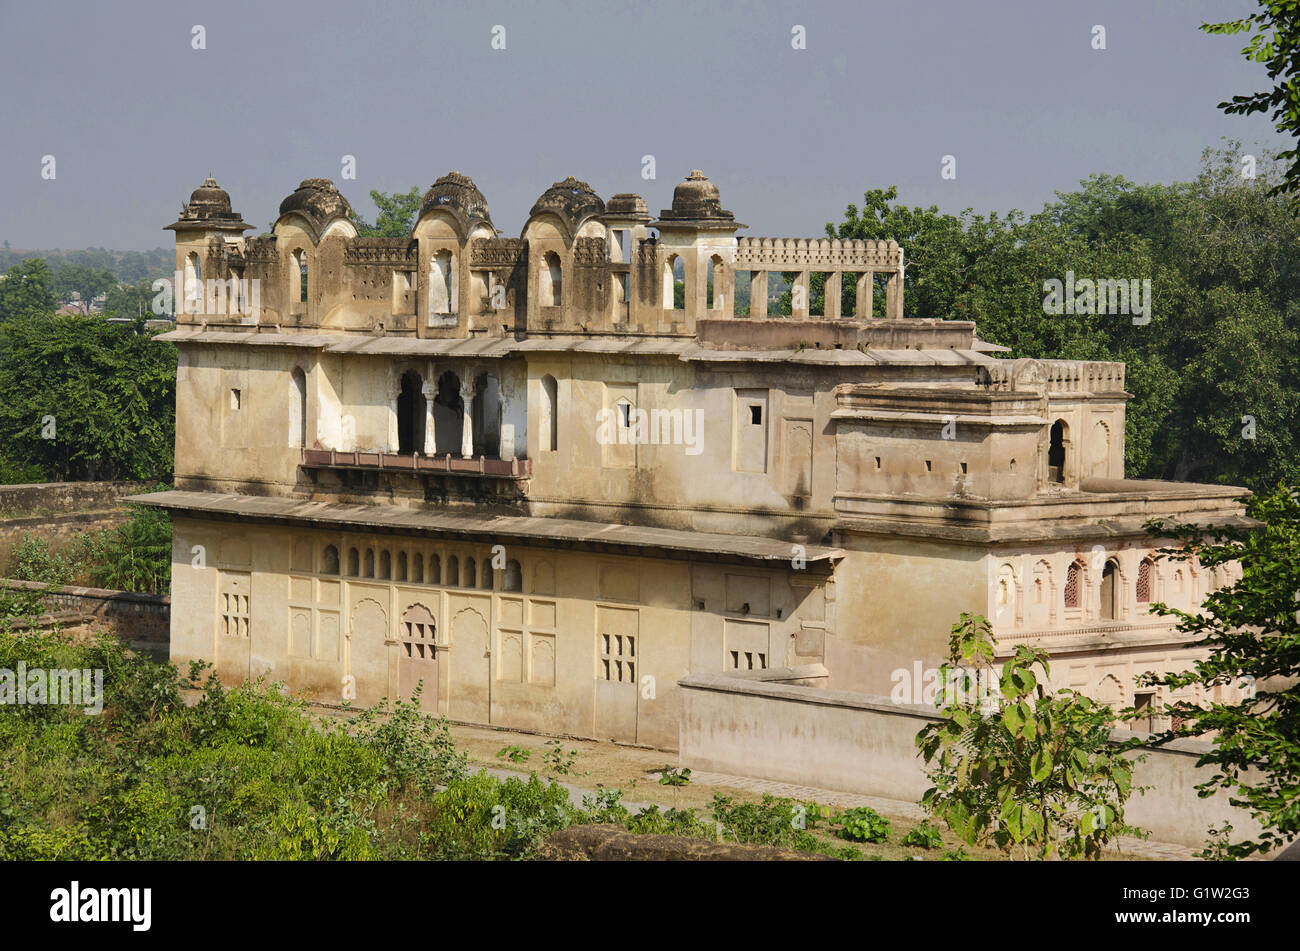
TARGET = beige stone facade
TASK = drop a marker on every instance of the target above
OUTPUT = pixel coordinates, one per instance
(512, 469)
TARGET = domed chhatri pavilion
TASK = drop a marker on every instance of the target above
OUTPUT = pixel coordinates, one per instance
(573, 479)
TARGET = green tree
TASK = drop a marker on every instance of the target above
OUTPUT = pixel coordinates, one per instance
(110, 389)
(131, 300)
(27, 288)
(397, 214)
(1275, 42)
(82, 279)
(1021, 767)
(1252, 631)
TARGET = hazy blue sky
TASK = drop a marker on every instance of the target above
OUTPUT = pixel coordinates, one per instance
(136, 118)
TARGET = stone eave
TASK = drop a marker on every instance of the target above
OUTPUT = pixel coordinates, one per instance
(1046, 517)
(548, 532)
(207, 224)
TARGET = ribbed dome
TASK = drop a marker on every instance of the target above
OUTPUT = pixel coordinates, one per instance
(208, 209)
(572, 200)
(459, 194)
(209, 199)
(317, 198)
(696, 199)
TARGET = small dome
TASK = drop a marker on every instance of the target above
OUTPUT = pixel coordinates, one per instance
(458, 194)
(209, 200)
(696, 199)
(319, 199)
(208, 209)
(572, 200)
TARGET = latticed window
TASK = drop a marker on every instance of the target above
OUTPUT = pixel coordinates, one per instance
(1144, 581)
(618, 658)
(233, 615)
(1072, 586)
(418, 634)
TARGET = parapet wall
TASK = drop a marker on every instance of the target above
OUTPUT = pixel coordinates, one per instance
(63, 497)
(856, 743)
(141, 619)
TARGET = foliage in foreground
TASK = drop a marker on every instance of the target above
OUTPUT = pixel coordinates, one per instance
(249, 773)
(134, 556)
(1252, 631)
(1024, 768)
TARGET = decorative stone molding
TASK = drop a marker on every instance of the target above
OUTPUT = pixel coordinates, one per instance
(817, 254)
(498, 252)
(382, 252)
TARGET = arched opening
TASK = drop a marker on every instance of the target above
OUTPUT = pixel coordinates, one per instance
(298, 408)
(441, 269)
(385, 565)
(370, 563)
(485, 416)
(1056, 452)
(401, 566)
(193, 289)
(330, 561)
(448, 415)
(417, 568)
(469, 579)
(550, 413)
(298, 277)
(1072, 585)
(435, 570)
(1109, 592)
(354, 564)
(1144, 581)
(410, 414)
(514, 577)
(550, 280)
(453, 572)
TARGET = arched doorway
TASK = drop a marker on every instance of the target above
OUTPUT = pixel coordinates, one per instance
(1109, 592)
(486, 416)
(1056, 452)
(448, 415)
(410, 414)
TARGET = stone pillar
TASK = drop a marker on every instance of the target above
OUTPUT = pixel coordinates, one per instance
(799, 292)
(467, 406)
(758, 301)
(866, 287)
(894, 296)
(831, 309)
(430, 391)
(393, 390)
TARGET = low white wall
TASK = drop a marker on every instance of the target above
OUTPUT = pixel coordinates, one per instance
(851, 742)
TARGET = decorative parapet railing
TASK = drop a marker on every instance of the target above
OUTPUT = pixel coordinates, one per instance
(401, 253)
(817, 254)
(1062, 376)
(446, 464)
(1115, 631)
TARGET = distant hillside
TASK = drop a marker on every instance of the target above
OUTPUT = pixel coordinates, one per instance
(128, 267)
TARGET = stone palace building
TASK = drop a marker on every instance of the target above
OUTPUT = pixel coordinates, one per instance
(551, 475)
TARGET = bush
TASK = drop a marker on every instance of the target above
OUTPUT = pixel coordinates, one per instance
(864, 824)
(923, 836)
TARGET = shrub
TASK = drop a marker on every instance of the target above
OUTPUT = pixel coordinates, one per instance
(864, 824)
(923, 836)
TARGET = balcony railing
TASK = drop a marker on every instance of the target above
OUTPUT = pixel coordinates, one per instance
(446, 464)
